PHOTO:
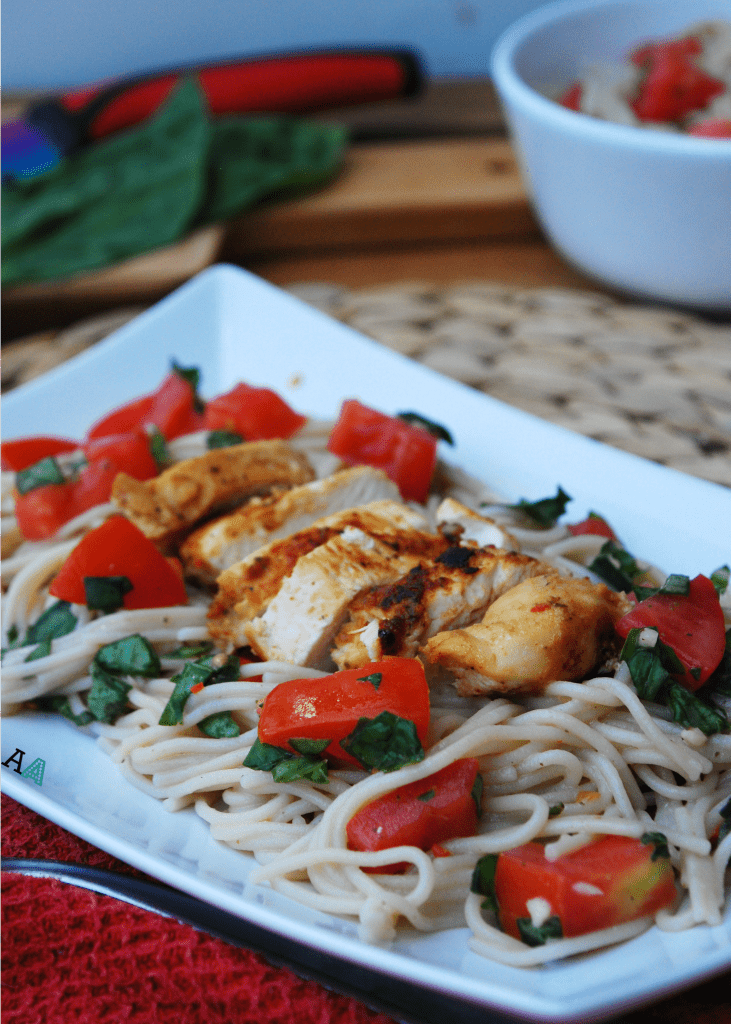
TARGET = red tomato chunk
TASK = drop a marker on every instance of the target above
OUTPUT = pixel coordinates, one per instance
(118, 548)
(406, 454)
(594, 526)
(171, 409)
(26, 451)
(692, 624)
(674, 85)
(257, 414)
(440, 807)
(610, 881)
(330, 707)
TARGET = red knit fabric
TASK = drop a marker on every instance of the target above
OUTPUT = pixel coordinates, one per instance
(73, 955)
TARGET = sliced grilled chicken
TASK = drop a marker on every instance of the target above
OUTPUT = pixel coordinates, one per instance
(168, 506)
(220, 544)
(464, 525)
(246, 588)
(450, 592)
(546, 628)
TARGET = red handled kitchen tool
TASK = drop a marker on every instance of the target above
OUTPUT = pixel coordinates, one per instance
(287, 83)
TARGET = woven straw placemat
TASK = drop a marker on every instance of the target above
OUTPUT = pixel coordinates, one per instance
(648, 379)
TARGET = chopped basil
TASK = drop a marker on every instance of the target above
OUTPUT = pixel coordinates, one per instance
(192, 673)
(538, 935)
(192, 650)
(375, 679)
(45, 471)
(222, 439)
(476, 793)
(725, 828)
(132, 655)
(159, 448)
(193, 376)
(483, 881)
(720, 680)
(546, 511)
(56, 621)
(553, 812)
(384, 743)
(62, 706)
(616, 567)
(435, 429)
(107, 698)
(220, 725)
(41, 651)
(426, 797)
(308, 747)
(652, 670)
(675, 584)
(659, 842)
(106, 593)
(286, 766)
(720, 579)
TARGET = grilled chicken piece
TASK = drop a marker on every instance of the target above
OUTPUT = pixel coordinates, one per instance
(448, 593)
(246, 589)
(546, 628)
(467, 527)
(220, 544)
(168, 506)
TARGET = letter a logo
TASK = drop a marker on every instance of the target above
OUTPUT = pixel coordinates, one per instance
(35, 771)
(17, 759)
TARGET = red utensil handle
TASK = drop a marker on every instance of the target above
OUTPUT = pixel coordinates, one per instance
(293, 83)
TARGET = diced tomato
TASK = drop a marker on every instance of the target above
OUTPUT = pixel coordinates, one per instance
(25, 451)
(406, 454)
(610, 881)
(594, 525)
(330, 707)
(712, 128)
(42, 511)
(431, 811)
(257, 414)
(674, 84)
(692, 624)
(571, 98)
(94, 485)
(171, 408)
(130, 452)
(119, 548)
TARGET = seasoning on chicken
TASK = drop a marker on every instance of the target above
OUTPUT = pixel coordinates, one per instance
(467, 527)
(169, 505)
(220, 544)
(246, 589)
(448, 593)
(546, 628)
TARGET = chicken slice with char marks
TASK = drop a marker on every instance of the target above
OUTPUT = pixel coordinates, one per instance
(168, 506)
(546, 628)
(448, 593)
(222, 543)
(246, 589)
(464, 525)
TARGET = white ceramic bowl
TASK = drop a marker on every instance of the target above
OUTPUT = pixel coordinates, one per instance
(647, 212)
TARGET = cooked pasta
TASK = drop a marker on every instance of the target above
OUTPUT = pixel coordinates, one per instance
(612, 764)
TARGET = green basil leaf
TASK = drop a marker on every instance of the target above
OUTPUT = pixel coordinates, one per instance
(553, 812)
(192, 375)
(228, 672)
(675, 584)
(659, 842)
(41, 651)
(692, 712)
(56, 621)
(159, 448)
(190, 675)
(546, 511)
(375, 679)
(476, 793)
(617, 567)
(720, 679)
(40, 474)
(384, 743)
(222, 439)
(426, 797)
(533, 935)
(62, 706)
(106, 593)
(308, 747)
(720, 579)
(483, 881)
(220, 725)
(107, 699)
(132, 655)
(192, 650)
(264, 756)
(284, 765)
(435, 429)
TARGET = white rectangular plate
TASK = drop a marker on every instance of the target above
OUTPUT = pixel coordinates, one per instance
(237, 327)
